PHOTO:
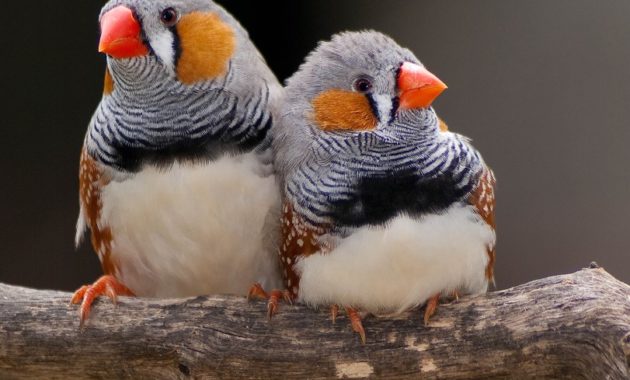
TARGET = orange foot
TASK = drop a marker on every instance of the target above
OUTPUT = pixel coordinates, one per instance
(432, 305)
(257, 291)
(106, 285)
(355, 321)
(334, 311)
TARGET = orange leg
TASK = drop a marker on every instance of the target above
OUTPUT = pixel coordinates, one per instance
(105, 286)
(355, 321)
(257, 291)
(432, 305)
(334, 311)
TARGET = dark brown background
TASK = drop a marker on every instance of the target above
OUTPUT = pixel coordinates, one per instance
(542, 86)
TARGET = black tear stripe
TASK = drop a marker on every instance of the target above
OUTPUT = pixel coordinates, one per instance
(378, 199)
(395, 107)
(374, 106)
(177, 45)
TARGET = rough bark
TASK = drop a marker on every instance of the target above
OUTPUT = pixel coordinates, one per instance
(572, 326)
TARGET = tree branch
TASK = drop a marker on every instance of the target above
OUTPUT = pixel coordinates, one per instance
(571, 326)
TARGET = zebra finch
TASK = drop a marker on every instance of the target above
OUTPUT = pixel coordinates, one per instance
(384, 209)
(176, 179)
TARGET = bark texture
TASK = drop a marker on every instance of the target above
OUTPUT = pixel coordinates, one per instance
(573, 326)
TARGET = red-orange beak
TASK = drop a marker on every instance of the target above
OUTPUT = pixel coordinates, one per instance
(418, 87)
(120, 34)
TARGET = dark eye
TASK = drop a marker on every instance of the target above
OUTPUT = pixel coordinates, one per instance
(362, 85)
(169, 17)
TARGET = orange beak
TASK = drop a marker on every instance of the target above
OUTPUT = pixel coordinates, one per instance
(120, 34)
(418, 87)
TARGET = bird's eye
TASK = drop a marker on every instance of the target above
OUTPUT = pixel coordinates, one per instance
(362, 85)
(169, 17)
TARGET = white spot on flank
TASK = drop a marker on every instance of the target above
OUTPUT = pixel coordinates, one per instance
(300, 242)
(354, 370)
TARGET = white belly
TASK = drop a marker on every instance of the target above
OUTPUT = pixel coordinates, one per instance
(194, 229)
(399, 266)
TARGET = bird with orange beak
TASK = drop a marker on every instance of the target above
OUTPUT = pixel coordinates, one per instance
(176, 179)
(384, 209)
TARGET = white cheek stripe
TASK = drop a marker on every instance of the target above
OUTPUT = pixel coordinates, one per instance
(397, 267)
(162, 45)
(384, 106)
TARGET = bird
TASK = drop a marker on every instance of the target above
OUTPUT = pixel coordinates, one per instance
(176, 179)
(384, 208)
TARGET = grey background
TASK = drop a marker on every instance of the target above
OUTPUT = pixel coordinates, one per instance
(541, 86)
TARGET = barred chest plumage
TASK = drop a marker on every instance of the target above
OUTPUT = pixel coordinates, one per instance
(152, 120)
(369, 178)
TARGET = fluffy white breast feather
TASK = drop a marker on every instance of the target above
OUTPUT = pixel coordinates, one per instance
(194, 229)
(399, 266)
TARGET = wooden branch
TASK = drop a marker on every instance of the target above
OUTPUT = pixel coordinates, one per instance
(573, 326)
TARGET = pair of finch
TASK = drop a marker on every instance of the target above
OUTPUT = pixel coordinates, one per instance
(200, 174)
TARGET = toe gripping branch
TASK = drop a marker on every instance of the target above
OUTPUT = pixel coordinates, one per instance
(106, 285)
(355, 322)
(273, 298)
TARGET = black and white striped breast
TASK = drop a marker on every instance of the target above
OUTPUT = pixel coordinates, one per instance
(163, 120)
(368, 178)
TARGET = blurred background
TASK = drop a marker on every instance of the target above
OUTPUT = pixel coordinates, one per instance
(543, 88)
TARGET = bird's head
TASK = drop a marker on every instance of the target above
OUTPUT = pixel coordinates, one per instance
(188, 41)
(356, 84)
(360, 81)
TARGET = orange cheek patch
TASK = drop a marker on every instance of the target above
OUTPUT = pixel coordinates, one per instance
(336, 110)
(207, 44)
(108, 87)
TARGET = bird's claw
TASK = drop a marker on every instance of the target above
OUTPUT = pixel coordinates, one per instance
(257, 291)
(273, 298)
(107, 286)
(355, 321)
(431, 307)
(334, 311)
